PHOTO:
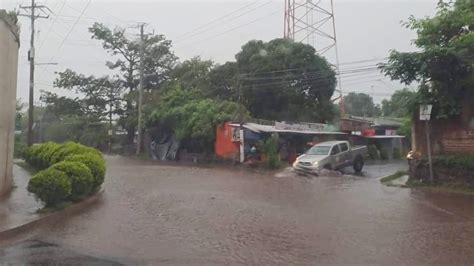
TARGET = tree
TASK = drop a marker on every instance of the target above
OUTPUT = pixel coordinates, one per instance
(61, 106)
(189, 116)
(101, 97)
(224, 80)
(278, 80)
(400, 103)
(443, 66)
(103, 91)
(192, 74)
(359, 104)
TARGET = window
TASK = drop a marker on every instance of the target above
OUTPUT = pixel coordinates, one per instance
(344, 147)
(318, 150)
(335, 150)
(471, 123)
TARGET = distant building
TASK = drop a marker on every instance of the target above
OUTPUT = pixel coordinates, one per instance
(294, 138)
(380, 131)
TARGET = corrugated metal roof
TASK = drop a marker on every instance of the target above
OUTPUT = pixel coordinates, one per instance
(385, 137)
(271, 129)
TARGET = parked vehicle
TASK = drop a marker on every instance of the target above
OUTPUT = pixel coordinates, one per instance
(331, 155)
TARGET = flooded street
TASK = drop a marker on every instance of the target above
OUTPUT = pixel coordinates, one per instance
(154, 214)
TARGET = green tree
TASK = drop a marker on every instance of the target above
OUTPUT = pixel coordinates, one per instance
(224, 80)
(400, 103)
(443, 64)
(105, 91)
(60, 106)
(359, 104)
(279, 80)
(192, 74)
(188, 116)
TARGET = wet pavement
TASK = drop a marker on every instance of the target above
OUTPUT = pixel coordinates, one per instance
(152, 214)
(19, 206)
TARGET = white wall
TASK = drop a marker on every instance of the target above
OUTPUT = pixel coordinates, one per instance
(8, 76)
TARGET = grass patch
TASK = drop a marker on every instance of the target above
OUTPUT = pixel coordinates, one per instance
(30, 169)
(393, 177)
(446, 187)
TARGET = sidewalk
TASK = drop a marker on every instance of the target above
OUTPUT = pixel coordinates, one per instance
(18, 207)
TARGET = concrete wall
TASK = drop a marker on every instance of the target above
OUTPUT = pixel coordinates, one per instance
(8, 76)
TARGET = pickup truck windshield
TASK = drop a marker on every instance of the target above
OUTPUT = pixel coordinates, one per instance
(319, 150)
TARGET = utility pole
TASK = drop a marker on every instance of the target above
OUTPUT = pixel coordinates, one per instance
(241, 125)
(31, 57)
(140, 91)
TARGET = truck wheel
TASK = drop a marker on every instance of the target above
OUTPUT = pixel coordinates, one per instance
(358, 164)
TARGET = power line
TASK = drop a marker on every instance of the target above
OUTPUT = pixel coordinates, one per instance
(74, 25)
(299, 69)
(237, 27)
(304, 81)
(364, 61)
(216, 20)
(350, 71)
(52, 24)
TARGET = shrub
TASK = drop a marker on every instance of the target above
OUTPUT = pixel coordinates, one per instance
(46, 151)
(269, 148)
(50, 186)
(95, 163)
(383, 154)
(455, 161)
(80, 176)
(397, 154)
(31, 155)
(373, 152)
(70, 148)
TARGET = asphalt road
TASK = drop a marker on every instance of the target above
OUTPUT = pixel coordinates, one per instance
(152, 214)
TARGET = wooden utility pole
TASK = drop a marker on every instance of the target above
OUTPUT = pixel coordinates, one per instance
(31, 57)
(140, 91)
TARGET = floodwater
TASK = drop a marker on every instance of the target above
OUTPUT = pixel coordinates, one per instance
(152, 214)
(19, 206)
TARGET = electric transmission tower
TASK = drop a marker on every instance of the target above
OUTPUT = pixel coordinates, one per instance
(312, 22)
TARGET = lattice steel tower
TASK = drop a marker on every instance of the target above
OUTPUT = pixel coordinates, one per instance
(312, 22)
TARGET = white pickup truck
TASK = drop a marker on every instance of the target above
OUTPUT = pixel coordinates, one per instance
(331, 155)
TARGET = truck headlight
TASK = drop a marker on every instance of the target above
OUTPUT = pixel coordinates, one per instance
(315, 164)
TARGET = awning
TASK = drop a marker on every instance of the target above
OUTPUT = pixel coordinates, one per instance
(385, 137)
(271, 129)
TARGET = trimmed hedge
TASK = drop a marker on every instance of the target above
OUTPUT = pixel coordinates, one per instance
(95, 163)
(70, 148)
(50, 186)
(82, 166)
(79, 175)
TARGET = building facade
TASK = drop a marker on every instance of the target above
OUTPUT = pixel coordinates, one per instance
(9, 45)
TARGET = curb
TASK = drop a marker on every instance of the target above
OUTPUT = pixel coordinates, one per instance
(16, 230)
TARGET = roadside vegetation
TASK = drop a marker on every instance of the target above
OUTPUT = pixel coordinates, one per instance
(390, 178)
(68, 172)
(452, 173)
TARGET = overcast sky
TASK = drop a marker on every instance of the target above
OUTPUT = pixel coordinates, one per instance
(366, 31)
